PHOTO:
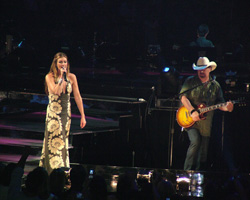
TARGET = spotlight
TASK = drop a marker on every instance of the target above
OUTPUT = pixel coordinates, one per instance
(166, 69)
(168, 82)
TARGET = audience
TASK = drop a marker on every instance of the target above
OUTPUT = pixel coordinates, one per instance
(57, 182)
(6, 171)
(77, 179)
(97, 188)
(40, 186)
(165, 190)
(146, 190)
(36, 185)
(127, 187)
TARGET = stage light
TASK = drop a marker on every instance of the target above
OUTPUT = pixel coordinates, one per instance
(168, 83)
(166, 69)
(183, 179)
(20, 43)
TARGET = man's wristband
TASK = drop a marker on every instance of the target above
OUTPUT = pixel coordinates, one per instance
(192, 111)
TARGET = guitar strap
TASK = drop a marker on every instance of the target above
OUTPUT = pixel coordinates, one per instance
(209, 93)
(209, 89)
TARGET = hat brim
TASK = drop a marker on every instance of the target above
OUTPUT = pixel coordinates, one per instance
(201, 67)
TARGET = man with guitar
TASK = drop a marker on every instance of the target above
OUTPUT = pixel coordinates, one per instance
(198, 91)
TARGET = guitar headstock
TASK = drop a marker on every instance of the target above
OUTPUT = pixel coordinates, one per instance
(241, 101)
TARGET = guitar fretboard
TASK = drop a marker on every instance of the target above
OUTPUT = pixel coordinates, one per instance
(214, 107)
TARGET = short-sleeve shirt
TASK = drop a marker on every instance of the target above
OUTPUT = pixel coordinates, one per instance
(202, 42)
(208, 94)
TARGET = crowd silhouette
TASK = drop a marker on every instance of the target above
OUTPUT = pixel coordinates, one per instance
(77, 185)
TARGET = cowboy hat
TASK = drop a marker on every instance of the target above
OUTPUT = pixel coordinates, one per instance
(203, 63)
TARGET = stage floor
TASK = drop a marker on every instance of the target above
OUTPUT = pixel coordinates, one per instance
(23, 125)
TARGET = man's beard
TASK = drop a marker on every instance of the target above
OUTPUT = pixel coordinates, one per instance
(202, 75)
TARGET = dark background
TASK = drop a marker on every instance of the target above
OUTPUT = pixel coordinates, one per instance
(115, 34)
(121, 29)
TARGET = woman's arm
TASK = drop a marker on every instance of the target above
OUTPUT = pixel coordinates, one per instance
(78, 99)
(54, 88)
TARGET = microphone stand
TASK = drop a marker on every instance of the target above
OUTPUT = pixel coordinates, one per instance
(188, 90)
(171, 133)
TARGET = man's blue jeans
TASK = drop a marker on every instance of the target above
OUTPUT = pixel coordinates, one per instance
(197, 150)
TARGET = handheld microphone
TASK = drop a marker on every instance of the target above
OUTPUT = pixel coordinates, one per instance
(65, 77)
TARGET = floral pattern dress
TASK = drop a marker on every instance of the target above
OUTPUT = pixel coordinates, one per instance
(55, 152)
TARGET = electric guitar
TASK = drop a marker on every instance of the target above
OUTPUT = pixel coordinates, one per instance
(185, 120)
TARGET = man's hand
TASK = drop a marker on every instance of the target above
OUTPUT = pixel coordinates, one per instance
(230, 106)
(195, 116)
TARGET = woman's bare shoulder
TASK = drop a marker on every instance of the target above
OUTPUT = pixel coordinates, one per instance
(49, 76)
(71, 75)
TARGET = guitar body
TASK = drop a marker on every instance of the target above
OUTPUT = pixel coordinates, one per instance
(183, 118)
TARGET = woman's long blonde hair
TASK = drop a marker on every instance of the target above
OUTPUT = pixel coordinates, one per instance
(54, 69)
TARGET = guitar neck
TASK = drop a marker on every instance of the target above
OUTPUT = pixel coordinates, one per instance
(214, 107)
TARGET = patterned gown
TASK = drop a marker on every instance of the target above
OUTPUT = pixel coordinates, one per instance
(55, 152)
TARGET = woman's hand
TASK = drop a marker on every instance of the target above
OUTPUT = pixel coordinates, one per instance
(62, 70)
(83, 122)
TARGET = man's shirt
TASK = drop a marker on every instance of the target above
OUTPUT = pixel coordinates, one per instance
(208, 94)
